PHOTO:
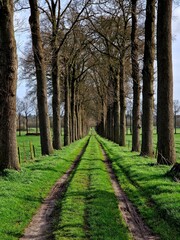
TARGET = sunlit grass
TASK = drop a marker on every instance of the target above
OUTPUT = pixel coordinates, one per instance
(89, 209)
(90, 196)
(156, 196)
(22, 192)
(29, 145)
(176, 137)
(26, 145)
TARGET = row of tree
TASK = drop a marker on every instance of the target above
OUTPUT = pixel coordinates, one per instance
(130, 38)
(27, 117)
(87, 57)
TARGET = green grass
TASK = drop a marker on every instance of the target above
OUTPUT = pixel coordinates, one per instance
(89, 209)
(156, 196)
(176, 137)
(26, 144)
(22, 192)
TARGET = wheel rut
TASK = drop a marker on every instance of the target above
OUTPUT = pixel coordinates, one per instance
(136, 225)
(41, 226)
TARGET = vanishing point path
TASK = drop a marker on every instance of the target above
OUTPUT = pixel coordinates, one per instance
(87, 202)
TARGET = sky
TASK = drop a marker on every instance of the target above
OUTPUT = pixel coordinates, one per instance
(176, 52)
(21, 90)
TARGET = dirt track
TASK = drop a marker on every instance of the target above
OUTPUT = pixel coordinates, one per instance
(133, 220)
(41, 226)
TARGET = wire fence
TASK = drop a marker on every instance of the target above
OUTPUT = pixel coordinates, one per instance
(28, 151)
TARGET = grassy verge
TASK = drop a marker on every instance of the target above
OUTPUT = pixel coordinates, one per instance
(176, 138)
(89, 209)
(30, 144)
(25, 145)
(156, 197)
(22, 192)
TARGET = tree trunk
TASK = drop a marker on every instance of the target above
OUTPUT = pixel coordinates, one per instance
(80, 121)
(45, 135)
(73, 108)
(122, 105)
(53, 7)
(166, 150)
(36, 122)
(104, 117)
(77, 120)
(108, 124)
(111, 122)
(116, 110)
(19, 118)
(56, 100)
(130, 123)
(136, 81)
(175, 122)
(148, 80)
(27, 129)
(67, 114)
(8, 84)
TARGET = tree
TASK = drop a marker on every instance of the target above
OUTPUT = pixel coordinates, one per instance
(176, 110)
(129, 114)
(54, 17)
(19, 109)
(8, 83)
(27, 109)
(113, 29)
(57, 39)
(166, 149)
(45, 135)
(67, 111)
(148, 80)
(136, 80)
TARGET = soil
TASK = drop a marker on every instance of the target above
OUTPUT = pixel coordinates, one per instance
(136, 225)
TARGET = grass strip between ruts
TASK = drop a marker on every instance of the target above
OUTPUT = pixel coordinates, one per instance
(156, 196)
(89, 209)
(21, 193)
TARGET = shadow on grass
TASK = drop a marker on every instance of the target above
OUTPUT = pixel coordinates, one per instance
(153, 185)
(101, 216)
(42, 168)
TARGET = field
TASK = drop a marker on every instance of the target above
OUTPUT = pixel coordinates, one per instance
(88, 208)
(23, 192)
(176, 137)
(26, 143)
(29, 146)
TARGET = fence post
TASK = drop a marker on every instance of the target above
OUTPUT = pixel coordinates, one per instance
(19, 155)
(34, 151)
(31, 150)
(156, 151)
(24, 149)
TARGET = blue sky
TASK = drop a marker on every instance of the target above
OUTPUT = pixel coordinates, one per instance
(176, 52)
